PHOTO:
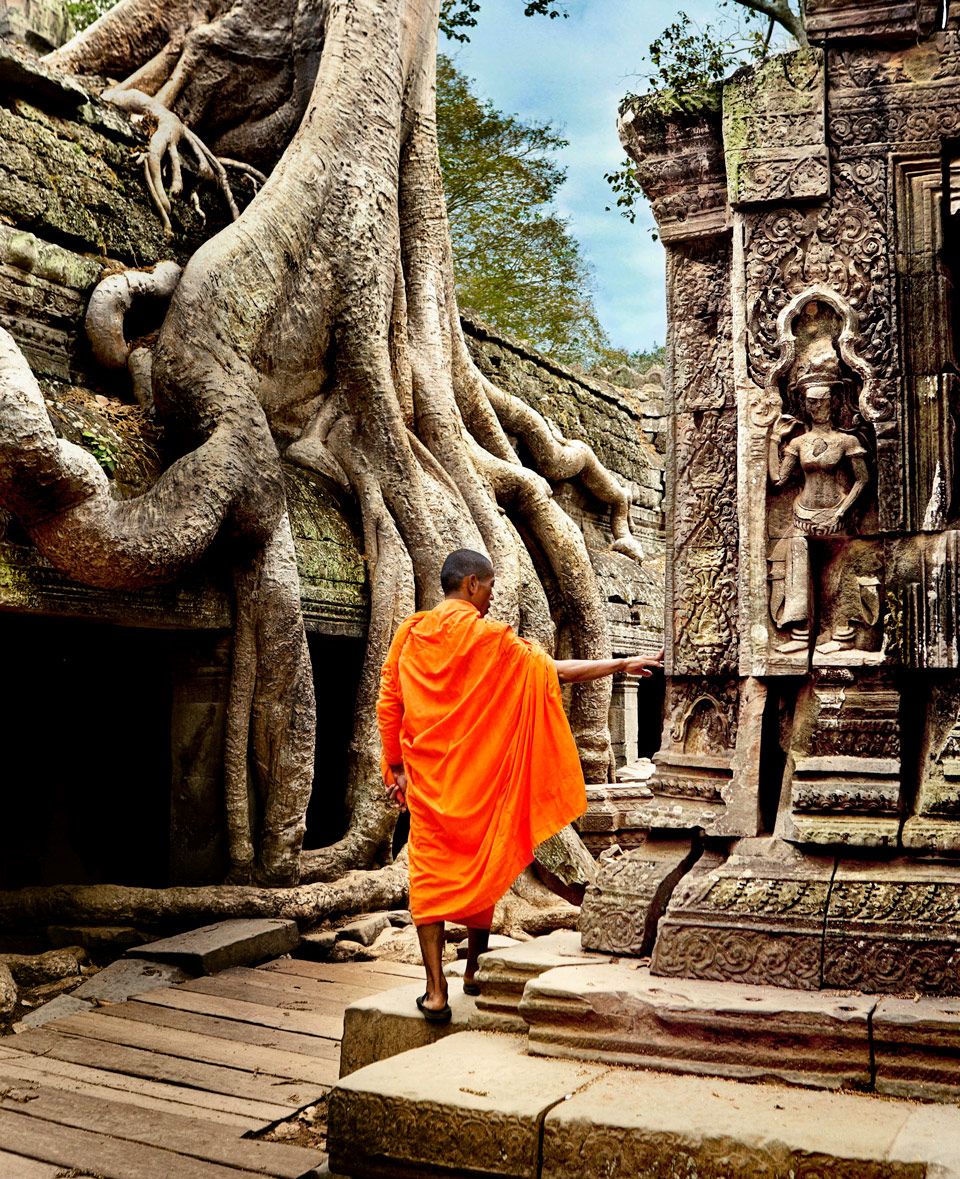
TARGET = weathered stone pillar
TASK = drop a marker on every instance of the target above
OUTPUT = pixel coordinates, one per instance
(624, 720)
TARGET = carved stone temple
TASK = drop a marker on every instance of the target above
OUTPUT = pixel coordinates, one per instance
(810, 762)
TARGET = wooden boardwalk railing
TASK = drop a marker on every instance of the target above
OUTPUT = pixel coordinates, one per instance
(167, 1085)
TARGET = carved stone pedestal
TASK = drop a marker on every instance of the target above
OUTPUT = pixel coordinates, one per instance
(773, 914)
(893, 927)
(756, 917)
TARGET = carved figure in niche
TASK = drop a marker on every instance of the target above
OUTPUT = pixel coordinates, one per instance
(833, 464)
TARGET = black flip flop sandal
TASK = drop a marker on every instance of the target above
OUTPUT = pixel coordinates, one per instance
(471, 988)
(441, 1015)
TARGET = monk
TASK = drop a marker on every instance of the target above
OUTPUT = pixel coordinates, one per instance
(477, 746)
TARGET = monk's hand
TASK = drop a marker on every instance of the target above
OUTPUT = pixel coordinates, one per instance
(644, 665)
(397, 790)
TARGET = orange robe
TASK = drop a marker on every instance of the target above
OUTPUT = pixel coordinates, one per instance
(475, 715)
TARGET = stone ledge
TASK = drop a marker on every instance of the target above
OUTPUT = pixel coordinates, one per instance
(475, 1105)
(388, 1023)
(619, 1015)
(629, 1124)
(916, 1046)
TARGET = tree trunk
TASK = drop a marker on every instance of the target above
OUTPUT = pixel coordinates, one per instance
(323, 317)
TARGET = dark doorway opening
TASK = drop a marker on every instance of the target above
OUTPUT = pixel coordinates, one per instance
(337, 663)
(651, 695)
(85, 725)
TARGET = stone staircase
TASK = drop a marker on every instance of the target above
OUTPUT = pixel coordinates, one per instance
(573, 1063)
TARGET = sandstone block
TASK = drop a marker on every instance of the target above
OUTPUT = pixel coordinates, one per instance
(917, 1048)
(754, 918)
(619, 1015)
(241, 942)
(317, 946)
(893, 927)
(498, 941)
(629, 1124)
(386, 1024)
(504, 973)
(126, 977)
(469, 1105)
(621, 910)
(57, 1008)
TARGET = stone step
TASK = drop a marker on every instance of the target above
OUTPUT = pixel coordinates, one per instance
(470, 1104)
(823, 1039)
(388, 1023)
(503, 974)
(631, 1124)
(476, 1104)
(621, 1015)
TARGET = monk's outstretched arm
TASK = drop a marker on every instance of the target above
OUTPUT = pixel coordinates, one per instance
(579, 671)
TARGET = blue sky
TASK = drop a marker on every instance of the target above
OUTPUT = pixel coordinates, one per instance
(574, 72)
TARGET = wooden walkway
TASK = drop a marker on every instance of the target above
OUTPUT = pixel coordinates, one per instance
(169, 1084)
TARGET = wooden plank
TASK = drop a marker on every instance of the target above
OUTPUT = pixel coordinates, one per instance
(201, 1102)
(186, 1136)
(172, 1069)
(248, 1058)
(176, 1099)
(265, 994)
(366, 973)
(15, 1166)
(303, 1022)
(110, 1158)
(299, 985)
(224, 1029)
(372, 984)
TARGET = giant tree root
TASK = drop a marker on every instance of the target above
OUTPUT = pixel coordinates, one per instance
(531, 909)
(325, 317)
(153, 908)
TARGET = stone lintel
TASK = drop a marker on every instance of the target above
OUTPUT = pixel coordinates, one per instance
(831, 21)
(240, 942)
(858, 766)
(619, 1015)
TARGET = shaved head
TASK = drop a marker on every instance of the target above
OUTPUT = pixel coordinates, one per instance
(463, 563)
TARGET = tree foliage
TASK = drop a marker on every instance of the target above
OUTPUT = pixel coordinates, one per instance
(458, 15)
(84, 12)
(516, 262)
